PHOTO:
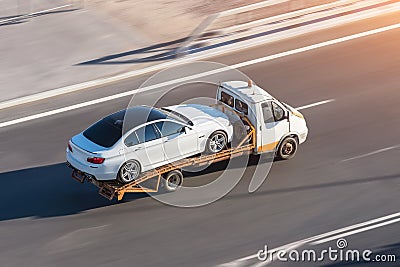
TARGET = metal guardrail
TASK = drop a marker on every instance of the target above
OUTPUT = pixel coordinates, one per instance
(76, 4)
(205, 24)
(19, 17)
(295, 18)
(251, 7)
(271, 23)
(289, 15)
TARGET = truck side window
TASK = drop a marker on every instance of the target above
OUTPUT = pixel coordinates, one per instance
(267, 112)
(241, 107)
(227, 99)
(279, 113)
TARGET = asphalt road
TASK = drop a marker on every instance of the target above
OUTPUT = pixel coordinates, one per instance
(47, 219)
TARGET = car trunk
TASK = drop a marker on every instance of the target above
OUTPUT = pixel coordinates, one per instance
(78, 142)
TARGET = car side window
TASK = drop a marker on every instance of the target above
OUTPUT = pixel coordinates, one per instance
(146, 133)
(267, 112)
(169, 128)
(131, 140)
(279, 113)
(226, 98)
(241, 107)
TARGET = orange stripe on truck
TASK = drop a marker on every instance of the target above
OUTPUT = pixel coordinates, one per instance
(268, 147)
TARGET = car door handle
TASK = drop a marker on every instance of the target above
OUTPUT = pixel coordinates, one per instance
(201, 136)
(138, 148)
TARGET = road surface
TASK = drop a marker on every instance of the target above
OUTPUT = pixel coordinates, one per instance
(346, 173)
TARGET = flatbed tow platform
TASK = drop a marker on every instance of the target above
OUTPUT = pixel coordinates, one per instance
(151, 181)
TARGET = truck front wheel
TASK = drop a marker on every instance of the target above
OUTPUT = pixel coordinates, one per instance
(287, 149)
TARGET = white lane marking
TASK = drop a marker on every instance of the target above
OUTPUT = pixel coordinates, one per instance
(216, 52)
(355, 231)
(204, 74)
(315, 104)
(372, 153)
(376, 221)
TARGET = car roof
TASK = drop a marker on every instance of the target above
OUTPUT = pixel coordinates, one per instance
(135, 116)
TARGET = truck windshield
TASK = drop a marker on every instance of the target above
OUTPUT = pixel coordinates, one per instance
(286, 106)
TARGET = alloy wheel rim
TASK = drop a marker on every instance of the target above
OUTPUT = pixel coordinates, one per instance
(130, 171)
(217, 143)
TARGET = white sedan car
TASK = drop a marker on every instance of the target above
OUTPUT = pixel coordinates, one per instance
(124, 144)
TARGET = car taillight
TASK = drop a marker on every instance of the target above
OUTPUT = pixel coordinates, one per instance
(69, 147)
(96, 160)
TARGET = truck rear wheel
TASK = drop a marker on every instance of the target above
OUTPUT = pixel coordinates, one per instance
(287, 149)
(173, 180)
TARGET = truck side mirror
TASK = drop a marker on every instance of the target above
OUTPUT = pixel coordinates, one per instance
(286, 115)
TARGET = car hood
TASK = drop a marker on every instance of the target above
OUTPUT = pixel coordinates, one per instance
(200, 114)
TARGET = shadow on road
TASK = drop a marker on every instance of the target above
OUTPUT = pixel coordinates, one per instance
(46, 192)
(252, 160)
(319, 186)
(49, 191)
(167, 52)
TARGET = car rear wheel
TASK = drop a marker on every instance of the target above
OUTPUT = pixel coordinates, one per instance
(288, 148)
(216, 142)
(129, 171)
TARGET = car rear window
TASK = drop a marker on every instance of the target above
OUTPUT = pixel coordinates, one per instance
(105, 132)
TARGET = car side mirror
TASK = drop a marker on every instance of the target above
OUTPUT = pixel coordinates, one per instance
(185, 130)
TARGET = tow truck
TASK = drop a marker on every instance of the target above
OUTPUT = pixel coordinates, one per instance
(262, 124)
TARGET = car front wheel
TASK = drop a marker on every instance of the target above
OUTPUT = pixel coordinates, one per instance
(129, 171)
(216, 142)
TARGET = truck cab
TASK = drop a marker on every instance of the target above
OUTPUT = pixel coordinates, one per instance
(279, 127)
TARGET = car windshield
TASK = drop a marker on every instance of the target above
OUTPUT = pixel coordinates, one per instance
(172, 114)
(107, 131)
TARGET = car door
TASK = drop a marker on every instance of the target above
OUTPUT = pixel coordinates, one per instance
(275, 125)
(145, 145)
(179, 140)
